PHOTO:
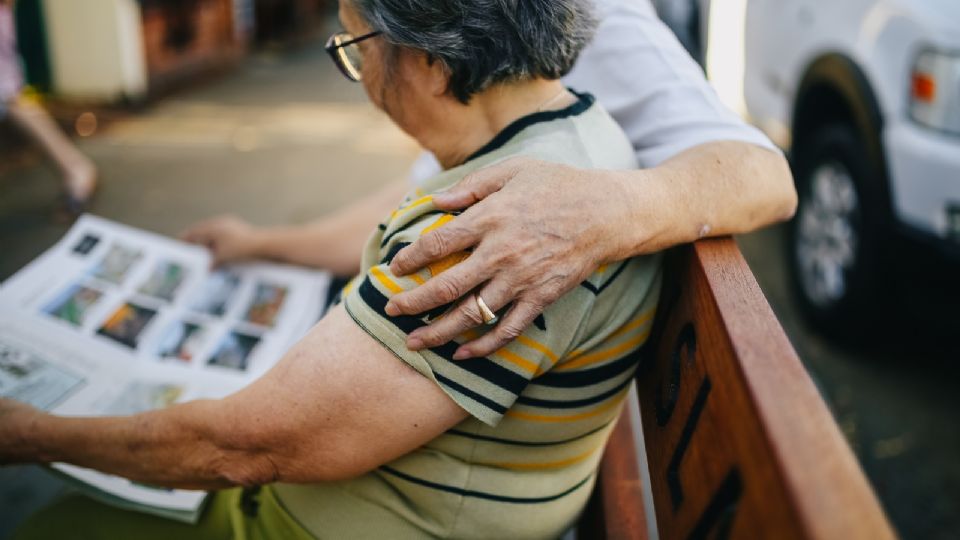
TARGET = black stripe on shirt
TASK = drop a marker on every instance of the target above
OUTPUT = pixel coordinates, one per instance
(414, 221)
(587, 377)
(597, 290)
(583, 103)
(481, 367)
(392, 252)
(479, 398)
(573, 404)
(484, 495)
(513, 442)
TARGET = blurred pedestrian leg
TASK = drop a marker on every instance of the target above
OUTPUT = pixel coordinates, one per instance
(79, 173)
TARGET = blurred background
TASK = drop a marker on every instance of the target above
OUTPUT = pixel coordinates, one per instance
(191, 108)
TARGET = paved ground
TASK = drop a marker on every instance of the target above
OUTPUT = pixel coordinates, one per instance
(284, 139)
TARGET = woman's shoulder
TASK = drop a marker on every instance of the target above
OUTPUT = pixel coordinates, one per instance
(589, 139)
(581, 135)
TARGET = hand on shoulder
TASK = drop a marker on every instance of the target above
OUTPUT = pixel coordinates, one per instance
(537, 229)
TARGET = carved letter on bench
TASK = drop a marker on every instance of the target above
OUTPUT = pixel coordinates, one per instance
(719, 513)
(739, 444)
(712, 470)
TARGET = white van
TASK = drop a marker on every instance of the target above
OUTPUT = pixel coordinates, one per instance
(865, 96)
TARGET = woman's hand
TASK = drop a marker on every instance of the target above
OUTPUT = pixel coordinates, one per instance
(228, 238)
(537, 230)
(15, 420)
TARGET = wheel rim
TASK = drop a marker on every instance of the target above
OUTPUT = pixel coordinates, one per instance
(827, 238)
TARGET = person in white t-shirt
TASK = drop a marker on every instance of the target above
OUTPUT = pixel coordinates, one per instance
(704, 172)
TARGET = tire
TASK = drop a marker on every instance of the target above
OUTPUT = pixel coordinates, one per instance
(836, 242)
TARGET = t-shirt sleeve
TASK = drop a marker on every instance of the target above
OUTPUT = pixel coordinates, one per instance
(485, 387)
(641, 74)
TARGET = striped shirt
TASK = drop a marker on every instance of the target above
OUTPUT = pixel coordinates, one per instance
(541, 409)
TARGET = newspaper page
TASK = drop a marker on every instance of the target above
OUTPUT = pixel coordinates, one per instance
(114, 321)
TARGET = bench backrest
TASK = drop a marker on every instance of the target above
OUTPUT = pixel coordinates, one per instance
(739, 443)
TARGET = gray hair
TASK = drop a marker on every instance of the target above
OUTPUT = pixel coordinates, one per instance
(484, 42)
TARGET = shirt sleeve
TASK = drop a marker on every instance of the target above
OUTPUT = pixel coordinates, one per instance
(485, 387)
(641, 74)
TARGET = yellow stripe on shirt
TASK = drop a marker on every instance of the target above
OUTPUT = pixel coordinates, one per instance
(349, 286)
(412, 205)
(416, 278)
(559, 464)
(440, 222)
(524, 340)
(517, 360)
(614, 402)
(606, 354)
(385, 281)
(635, 323)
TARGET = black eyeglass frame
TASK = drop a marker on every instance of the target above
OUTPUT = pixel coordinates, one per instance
(343, 63)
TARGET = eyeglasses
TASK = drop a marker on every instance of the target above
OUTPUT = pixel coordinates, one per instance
(342, 48)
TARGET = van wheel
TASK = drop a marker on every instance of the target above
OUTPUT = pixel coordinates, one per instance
(834, 249)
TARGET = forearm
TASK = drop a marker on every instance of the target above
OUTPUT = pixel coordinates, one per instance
(337, 405)
(334, 242)
(179, 447)
(712, 190)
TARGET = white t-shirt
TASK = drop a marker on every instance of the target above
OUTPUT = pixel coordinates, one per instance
(641, 74)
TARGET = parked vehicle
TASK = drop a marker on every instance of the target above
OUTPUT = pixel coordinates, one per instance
(866, 95)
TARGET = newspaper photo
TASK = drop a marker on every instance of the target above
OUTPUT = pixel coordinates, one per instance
(114, 320)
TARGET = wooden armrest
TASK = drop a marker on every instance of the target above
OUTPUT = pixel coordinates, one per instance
(739, 442)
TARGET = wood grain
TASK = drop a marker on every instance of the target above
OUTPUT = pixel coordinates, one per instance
(739, 442)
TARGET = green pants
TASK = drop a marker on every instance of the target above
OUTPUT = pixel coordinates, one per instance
(81, 518)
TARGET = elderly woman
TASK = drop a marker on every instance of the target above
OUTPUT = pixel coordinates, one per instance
(703, 172)
(352, 433)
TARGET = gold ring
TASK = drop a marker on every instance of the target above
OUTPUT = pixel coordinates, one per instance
(489, 317)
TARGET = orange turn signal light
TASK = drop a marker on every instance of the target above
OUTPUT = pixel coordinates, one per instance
(924, 87)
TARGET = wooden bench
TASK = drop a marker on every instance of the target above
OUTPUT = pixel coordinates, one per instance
(739, 443)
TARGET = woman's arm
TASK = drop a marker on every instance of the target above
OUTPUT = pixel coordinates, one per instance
(333, 242)
(337, 405)
(538, 229)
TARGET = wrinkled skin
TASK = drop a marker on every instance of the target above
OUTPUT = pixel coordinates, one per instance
(15, 419)
(529, 248)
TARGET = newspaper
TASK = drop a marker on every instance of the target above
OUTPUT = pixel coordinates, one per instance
(114, 321)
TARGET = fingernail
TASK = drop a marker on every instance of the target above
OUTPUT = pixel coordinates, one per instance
(414, 344)
(392, 309)
(461, 354)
